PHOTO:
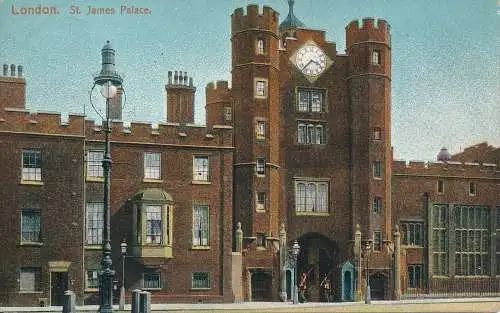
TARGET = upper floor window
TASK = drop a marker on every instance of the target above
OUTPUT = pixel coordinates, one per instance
(311, 133)
(377, 133)
(201, 170)
(94, 163)
(32, 165)
(260, 46)
(440, 186)
(228, 113)
(377, 205)
(377, 169)
(154, 228)
(95, 223)
(201, 225)
(260, 89)
(311, 196)
(200, 280)
(30, 226)
(472, 189)
(261, 201)
(311, 100)
(376, 57)
(260, 129)
(151, 279)
(412, 233)
(30, 279)
(260, 166)
(377, 240)
(152, 165)
(261, 240)
(92, 279)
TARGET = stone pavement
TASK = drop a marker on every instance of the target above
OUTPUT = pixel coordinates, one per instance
(466, 305)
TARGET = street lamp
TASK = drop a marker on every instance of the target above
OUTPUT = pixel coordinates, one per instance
(368, 299)
(123, 247)
(108, 79)
(295, 254)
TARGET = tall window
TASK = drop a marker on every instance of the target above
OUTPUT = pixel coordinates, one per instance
(377, 205)
(95, 223)
(30, 226)
(94, 163)
(377, 133)
(260, 167)
(472, 189)
(228, 113)
(377, 169)
(440, 240)
(151, 279)
(201, 171)
(311, 196)
(32, 165)
(260, 46)
(201, 225)
(92, 279)
(260, 88)
(311, 100)
(376, 57)
(154, 228)
(413, 233)
(311, 133)
(440, 186)
(200, 280)
(260, 129)
(29, 279)
(414, 276)
(472, 240)
(152, 165)
(377, 240)
(261, 201)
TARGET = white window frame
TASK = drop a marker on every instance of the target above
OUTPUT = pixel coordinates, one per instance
(260, 200)
(377, 205)
(201, 168)
(200, 282)
(155, 284)
(311, 100)
(311, 196)
(30, 279)
(375, 57)
(154, 232)
(377, 169)
(260, 129)
(377, 133)
(228, 113)
(152, 165)
(31, 163)
(31, 233)
(309, 133)
(94, 163)
(260, 88)
(94, 223)
(201, 225)
(413, 233)
(260, 167)
(93, 281)
(260, 46)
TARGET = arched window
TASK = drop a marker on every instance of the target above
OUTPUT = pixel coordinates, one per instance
(319, 134)
(260, 47)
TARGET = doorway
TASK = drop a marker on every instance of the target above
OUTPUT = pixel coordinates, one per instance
(378, 286)
(58, 285)
(261, 286)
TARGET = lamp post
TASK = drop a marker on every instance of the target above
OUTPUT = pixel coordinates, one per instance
(295, 254)
(368, 299)
(108, 79)
(123, 247)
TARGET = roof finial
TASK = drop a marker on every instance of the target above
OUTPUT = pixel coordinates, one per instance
(291, 21)
(290, 6)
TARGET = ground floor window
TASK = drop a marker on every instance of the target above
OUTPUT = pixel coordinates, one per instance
(151, 279)
(29, 279)
(92, 279)
(415, 276)
(200, 280)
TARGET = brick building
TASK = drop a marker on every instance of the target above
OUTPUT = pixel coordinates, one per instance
(298, 148)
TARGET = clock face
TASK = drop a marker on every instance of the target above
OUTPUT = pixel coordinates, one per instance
(311, 60)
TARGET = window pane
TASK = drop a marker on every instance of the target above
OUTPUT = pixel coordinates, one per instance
(301, 197)
(200, 168)
(151, 280)
(303, 101)
(32, 165)
(94, 163)
(95, 223)
(154, 229)
(152, 167)
(322, 196)
(311, 197)
(92, 279)
(29, 279)
(200, 280)
(30, 226)
(302, 137)
(316, 101)
(319, 135)
(200, 225)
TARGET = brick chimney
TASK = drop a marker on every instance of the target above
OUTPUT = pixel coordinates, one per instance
(12, 87)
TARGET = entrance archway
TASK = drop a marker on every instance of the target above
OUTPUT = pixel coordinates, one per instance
(378, 286)
(317, 259)
(261, 286)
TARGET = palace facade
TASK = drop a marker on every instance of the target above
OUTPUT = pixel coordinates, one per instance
(298, 149)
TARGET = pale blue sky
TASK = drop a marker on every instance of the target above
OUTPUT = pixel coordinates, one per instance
(445, 58)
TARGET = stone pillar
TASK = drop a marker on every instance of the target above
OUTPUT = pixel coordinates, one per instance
(358, 263)
(145, 302)
(69, 305)
(135, 301)
(397, 264)
(239, 237)
(283, 257)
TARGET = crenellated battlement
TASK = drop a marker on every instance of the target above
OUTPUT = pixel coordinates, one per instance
(369, 29)
(450, 168)
(55, 124)
(267, 20)
(218, 92)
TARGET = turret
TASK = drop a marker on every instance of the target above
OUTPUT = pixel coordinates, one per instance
(180, 98)
(12, 88)
(218, 104)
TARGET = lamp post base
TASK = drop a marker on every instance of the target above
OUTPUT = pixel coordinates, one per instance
(283, 296)
(296, 295)
(368, 297)
(122, 299)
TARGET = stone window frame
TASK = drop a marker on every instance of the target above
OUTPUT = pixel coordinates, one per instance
(261, 202)
(95, 276)
(376, 57)
(377, 205)
(307, 132)
(377, 240)
(417, 281)
(406, 231)
(201, 175)
(309, 201)
(201, 227)
(151, 276)
(31, 233)
(97, 210)
(34, 275)
(94, 164)
(261, 88)
(260, 167)
(152, 172)
(31, 166)
(200, 281)
(377, 169)
(308, 105)
(260, 46)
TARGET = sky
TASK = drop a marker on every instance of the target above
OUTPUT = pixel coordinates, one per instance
(445, 58)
